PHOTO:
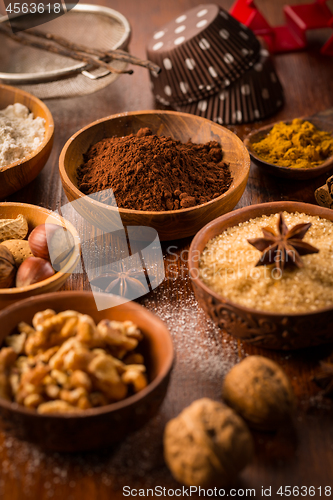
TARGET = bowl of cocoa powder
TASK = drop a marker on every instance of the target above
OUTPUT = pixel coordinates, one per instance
(167, 170)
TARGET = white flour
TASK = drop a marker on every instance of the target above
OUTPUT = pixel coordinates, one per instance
(20, 133)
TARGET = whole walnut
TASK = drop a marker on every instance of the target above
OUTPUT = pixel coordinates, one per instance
(7, 268)
(208, 444)
(260, 391)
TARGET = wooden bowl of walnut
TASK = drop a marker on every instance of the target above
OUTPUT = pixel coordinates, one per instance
(35, 216)
(101, 426)
(271, 330)
(171, 224)
(18, 174)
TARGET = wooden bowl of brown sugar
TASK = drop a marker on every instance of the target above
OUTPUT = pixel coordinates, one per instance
(170, 224)
(260, 325)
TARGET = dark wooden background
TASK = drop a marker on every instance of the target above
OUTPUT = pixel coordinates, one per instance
(296, 456)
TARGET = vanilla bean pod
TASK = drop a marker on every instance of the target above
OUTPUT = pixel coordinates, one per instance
(75, 48)
(29, 40)
(117, 55)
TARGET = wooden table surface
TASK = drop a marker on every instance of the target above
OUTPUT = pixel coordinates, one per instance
(298, 456)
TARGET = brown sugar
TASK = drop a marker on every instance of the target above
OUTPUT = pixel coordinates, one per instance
(228, 266)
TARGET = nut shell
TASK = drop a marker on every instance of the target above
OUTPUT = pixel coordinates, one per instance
(260, 391)
(19, 249)
(207, 445)
(11, 229)
(7, 268)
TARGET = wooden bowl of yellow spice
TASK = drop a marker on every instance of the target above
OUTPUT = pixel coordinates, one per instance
(299, 149)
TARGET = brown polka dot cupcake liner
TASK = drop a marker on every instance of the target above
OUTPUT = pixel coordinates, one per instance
(257, 95)
(200, 52)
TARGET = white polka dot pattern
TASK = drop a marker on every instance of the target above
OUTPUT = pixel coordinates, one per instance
(258, 67)
(254, 96)
(158, 46)
(201, 23)
(224, 34)
(181, 19)
(245, 89)
(167, 63)
(213, 71)
(237, 116)
(228, 58)
(203, 52)
(190, 63)
(167, 90)
(183, 87)
(202, 106)
(179, 40)
(158, 35)
(204, 44)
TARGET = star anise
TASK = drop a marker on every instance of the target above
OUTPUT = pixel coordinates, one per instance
(324, 378)
(284, 246)
(124, 282)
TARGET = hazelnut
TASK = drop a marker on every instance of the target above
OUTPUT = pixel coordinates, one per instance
(260, 391)
(33, 270)
(7, 268)
(207, 445)
(51, 242)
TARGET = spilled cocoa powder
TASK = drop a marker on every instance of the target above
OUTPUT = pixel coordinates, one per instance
(155, 173)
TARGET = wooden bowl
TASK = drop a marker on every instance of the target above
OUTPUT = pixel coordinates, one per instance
(18, 174)
(288, 172)
(171, 224)
(35, 216)
(260, 328)
(96, 427)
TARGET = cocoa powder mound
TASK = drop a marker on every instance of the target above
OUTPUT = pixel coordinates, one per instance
(155, 173)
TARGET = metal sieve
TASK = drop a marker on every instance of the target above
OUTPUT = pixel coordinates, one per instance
(48, 75)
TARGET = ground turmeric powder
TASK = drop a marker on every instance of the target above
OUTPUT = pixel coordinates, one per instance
(297, 145)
